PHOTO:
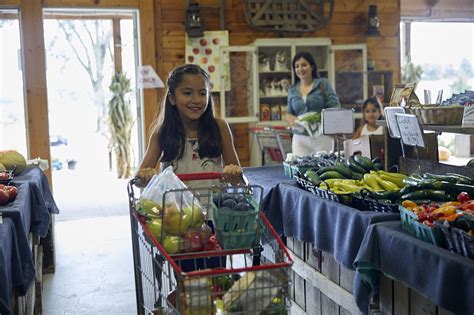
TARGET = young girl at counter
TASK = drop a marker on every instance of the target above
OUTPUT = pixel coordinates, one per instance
(371, 112)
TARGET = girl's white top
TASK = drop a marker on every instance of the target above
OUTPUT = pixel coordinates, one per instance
(365, 131)
(191, 162)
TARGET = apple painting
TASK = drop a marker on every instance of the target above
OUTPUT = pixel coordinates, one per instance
(191, 59)
(208, 51)
(203, 42)
(196, 51)
(216, 41)
(211, 69)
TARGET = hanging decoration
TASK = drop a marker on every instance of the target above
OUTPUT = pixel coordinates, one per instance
(289, 15)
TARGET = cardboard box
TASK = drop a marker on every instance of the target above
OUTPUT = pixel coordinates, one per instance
(369, 146)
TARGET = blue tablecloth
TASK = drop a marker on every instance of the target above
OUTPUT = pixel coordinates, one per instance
(330, 226)
(42, 201)
(266, 176)
(29, 212)
(16, 260)
(445, 278)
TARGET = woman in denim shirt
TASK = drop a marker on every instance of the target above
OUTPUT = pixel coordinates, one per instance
(310, 93)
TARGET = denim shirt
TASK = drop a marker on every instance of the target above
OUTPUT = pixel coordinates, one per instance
(321, 96)
(316, 100)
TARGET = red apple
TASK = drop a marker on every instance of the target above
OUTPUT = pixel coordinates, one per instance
(203, 42)
(208, 51)
(12, 192)
(193, 240)
(3, 197)
(212, 244)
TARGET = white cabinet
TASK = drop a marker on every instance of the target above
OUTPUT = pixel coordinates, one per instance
(255, 83)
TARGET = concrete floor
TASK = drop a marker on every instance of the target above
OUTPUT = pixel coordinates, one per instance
(94, 268)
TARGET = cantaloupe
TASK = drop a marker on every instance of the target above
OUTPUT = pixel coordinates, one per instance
(11, 158)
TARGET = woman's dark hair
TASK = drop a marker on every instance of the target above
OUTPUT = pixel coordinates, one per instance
(374, 102)
(172, 135)
(309, 58)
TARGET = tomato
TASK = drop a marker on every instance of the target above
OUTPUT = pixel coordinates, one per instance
(3, 197)
(463, 197)
(12, 192)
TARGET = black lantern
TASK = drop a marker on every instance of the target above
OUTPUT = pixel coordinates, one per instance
(373, 22)
(193, 20)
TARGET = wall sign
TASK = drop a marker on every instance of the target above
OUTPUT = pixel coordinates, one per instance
(410, 130)
(391, 120)
(338, 121)
(147, 78)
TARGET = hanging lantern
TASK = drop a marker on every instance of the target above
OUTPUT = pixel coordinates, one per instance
(193, 20)
(373, 29)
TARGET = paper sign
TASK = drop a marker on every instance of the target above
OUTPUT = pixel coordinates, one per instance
(148, 79)
(468, 116)
(338, 121)
(410, 130)
(391, 121)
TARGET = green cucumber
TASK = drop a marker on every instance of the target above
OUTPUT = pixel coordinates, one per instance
(313, 177)
(391, 195)
(364, 162)
(462, 179)
(340, 168)
(438, 195)
(331, 174)
(354, 166)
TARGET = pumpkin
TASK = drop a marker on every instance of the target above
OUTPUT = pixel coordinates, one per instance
(11, 158)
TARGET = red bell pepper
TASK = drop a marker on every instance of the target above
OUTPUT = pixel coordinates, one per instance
(463, 197)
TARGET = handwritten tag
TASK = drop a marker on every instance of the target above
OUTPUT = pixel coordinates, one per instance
(468, 116)
(147, 78)
(410, 130)
(391, 121)
(338, 121)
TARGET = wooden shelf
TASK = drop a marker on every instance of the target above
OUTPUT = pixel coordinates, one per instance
(440, 128)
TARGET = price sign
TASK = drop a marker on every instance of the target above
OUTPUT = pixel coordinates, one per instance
(147, 78)
(338, 121)
(410, 130)
(468, 116)
(391, 121)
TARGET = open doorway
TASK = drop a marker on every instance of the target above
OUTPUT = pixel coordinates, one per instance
(84, 50)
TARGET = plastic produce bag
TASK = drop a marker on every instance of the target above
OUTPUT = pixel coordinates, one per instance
(180, 210)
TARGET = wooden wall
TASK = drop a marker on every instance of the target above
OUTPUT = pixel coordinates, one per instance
(347, 27)
(450, 10)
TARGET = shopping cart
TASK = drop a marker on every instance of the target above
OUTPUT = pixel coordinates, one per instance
(273, 142)
(249, 280)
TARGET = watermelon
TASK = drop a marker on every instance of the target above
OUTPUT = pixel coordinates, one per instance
(11, 159)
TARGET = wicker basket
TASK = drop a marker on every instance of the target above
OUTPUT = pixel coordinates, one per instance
(438, 115)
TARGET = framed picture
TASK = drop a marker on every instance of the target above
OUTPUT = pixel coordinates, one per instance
(205, 52)
(403, 93)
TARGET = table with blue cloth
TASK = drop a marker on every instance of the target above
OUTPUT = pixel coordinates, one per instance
(28, 213)
(445, 278)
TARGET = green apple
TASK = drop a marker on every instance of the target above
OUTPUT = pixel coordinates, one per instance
(174, 221)
(172, 244)
(150, 206)
(155, 227)
(196, 215)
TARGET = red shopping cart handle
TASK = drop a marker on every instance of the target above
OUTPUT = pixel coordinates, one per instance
(200, 176)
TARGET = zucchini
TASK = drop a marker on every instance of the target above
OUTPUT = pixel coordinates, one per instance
(364, 162)
(410, 181)
(342, 169)
(357, 176)
(313, 177)
(331, 174)
(354, 166)
(392, 195)
(438, 195)
(462, 179)
(442, 178)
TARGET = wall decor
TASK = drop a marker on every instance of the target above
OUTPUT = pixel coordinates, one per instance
(289, 15)
(204, 52)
